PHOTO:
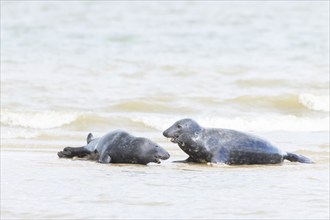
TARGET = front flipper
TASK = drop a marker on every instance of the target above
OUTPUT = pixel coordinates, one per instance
(104, 158)
(221, 156)
(188, 160)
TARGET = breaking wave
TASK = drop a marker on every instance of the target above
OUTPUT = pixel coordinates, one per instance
(40, 119)
(315, 103)
(261, 123)
(284, 103)
(30, 124)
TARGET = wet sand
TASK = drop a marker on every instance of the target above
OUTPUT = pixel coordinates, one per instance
(35, 184)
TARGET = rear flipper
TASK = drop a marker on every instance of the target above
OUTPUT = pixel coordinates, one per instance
(70, 152)
(297, 158)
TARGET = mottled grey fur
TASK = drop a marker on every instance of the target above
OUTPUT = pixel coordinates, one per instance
(232, 147)
(118, 147)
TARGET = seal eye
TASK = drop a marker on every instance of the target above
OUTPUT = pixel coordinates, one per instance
(179, 126)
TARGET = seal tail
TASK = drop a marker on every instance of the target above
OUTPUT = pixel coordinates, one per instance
(297, 158)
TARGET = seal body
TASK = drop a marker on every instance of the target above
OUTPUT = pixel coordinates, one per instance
(227, 146)
(118, 147)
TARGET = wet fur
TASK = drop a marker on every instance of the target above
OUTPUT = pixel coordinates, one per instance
(231, 147)
(117, 147)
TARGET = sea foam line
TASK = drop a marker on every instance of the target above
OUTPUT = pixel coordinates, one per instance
(39, 120)
(260, 123)
(316, 103)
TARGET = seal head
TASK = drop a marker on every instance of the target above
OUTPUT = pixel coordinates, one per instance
(181, 128)
(149, 151)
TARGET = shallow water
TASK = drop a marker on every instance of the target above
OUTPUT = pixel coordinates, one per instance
(36, 184)
(70, 68)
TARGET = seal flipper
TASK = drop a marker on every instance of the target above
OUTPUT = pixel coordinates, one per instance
(221, 156)
(188, 160)
(297, 158)
(105, 158)
(70, 152)
(89, 137)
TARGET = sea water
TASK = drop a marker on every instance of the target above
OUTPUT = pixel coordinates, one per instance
(70, 68)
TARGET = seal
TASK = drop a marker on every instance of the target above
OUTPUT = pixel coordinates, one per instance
(117, 147)
(226, 146)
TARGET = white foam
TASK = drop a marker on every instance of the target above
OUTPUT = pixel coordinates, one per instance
(315, 103)
(158, 122)
(38, 120)
(269, 123)
(260, 123)
(10, 133)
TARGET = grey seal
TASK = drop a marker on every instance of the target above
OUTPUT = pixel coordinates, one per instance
(118, 147)
(226, 146)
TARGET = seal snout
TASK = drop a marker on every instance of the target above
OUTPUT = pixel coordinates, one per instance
(166, 133)
(170, 134)
(165, 156)
(161, 156)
